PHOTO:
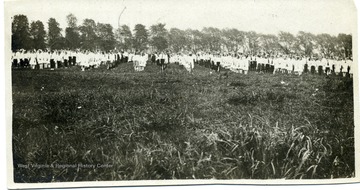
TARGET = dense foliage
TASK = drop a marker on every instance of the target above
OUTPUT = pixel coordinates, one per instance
(99, 36)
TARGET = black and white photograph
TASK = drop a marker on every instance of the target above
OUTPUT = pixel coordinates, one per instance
(167, 92)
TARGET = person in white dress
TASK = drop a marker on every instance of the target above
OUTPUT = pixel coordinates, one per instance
(288, 65)
(328, 67)
(33, 60)
(344, 66)
(337, 63)
(190, 63)
(278, 65)
(84, 60)
(245, 65)
(142, 61)
(136, 59)
(298, 66)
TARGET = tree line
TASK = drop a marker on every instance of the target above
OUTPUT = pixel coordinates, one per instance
(101, 36)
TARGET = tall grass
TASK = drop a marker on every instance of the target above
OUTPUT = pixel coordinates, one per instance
(176, 125)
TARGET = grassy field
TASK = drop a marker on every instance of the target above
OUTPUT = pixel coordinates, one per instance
(175, 125)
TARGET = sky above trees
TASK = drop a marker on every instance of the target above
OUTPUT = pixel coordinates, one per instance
(262, 16)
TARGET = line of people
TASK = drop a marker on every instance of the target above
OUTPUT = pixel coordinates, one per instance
(39, 59)
(240, 63)
(236, 62)
(43, 59)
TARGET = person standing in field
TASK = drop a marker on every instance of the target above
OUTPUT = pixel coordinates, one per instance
(351, 68)
(21, 58)
(312, 65)
(161, 59)
(153, 58)
(64, 58)
(287, 65)
(15, 59)
(271, 64)
(267, 64)
(174, 58)
(42, 57)
(27, 59)
(75, 57)
(191, 62)
(306, 64)
(53, 58)
(337, 63)
(327, 67)
(57, 59)
(235, 64)
(322, 62)
(218, 62)
(39, 59)
(143, 60)
(52, 63)
(70, 58)
(244, 65)
(83, 59)
(126, 57)
(33, 60)
(194, 58)
(136, 61)
(260, 64)
(168, 57)
(209, 60)
(278, 65)
(344, 67)
(47, 58)
(332, 65)
(181, 59)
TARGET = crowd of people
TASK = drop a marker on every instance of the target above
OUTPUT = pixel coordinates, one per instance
(236, 62)
(39, 59)
(240, 63)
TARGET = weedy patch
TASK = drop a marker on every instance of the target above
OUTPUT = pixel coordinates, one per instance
(177, 125)
(238, 84)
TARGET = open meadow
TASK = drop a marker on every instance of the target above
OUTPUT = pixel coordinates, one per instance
(176, 125)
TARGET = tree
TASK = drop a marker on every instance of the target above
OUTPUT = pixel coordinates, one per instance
(199, 41)
(71, 21)
(326, 44)
(159, 42)
(305, 43)
(124, 38)
(287, 42)
(177, 39)
(37, 34)
(140, 37)
(55, 39)
(72, 35)
(88, 36)
(269, 44)
(105, 37)
(158, 30)
(20, 37)
(190, 39)
(158, 36)
(233, 39)
(344, 44)
(252, 42)
(212, 38)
